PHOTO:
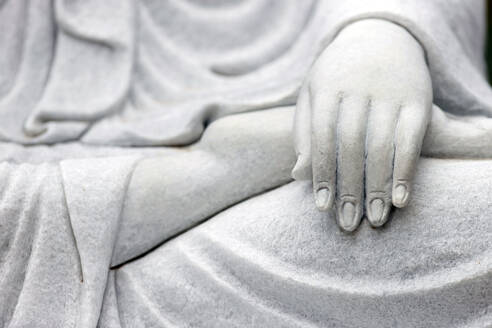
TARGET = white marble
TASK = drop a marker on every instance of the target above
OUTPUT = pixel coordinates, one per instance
(359, 138)
(275, 261)
(148, 150)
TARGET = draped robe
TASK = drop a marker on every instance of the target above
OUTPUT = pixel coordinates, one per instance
(92, 76)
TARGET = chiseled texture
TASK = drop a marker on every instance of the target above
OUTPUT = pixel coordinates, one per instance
(65, 221)
(127, 72)
(146, 73)
(62, 230)
(276, 261)
(52, 265)
(238, 156)
(40, 273)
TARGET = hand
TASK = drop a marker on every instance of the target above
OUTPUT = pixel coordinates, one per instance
(361, 117)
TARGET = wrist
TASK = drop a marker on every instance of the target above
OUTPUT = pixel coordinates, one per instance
(379, 32)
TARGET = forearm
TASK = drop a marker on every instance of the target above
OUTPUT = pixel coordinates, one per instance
(238, 156)
(379, 32)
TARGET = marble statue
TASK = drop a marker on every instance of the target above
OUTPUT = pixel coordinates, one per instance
(251, 163)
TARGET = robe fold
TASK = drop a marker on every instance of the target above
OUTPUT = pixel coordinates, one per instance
(91, 76)
(139, 73)
(58, 227)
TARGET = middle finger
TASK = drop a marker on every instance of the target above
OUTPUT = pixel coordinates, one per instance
(351, 134)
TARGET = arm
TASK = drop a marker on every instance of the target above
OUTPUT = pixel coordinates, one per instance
(238, 156)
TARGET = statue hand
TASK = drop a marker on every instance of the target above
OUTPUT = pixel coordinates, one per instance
(361, 118)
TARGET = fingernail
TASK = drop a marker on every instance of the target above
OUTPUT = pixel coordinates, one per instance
(400, 195)
(376, 212)
(322, 199)
(347, 219)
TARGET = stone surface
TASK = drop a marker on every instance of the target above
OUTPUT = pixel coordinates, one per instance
(99, 227)
(359, 139)
(146, 72)
(275, 261)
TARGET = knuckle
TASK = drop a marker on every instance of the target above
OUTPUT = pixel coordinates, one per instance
(349, 197)
(403, 181)
(379, 193)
